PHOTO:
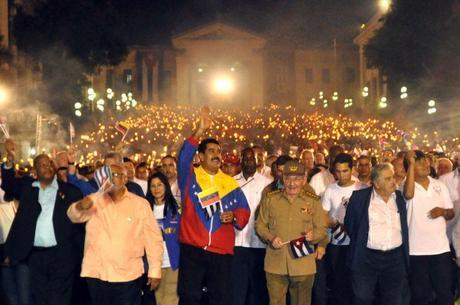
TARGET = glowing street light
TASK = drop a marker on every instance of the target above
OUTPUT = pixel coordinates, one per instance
(365, 92)
(432, 107)
(348, 102)
(335, 96)
(110, 93)
(384, 5)
(223, 85)
(404, 94)
(3, 95)
(383, 102)
(91, 94)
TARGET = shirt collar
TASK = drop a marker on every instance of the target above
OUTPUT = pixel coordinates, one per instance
(54, 184)
(375, 195)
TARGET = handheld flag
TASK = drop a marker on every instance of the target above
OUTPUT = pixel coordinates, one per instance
(103, 177)
(4, 127)
(301, 247)
(339, 234)
(122, 129)
(210, 201)
(71, 132)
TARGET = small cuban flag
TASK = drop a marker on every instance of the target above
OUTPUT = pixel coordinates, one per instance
(103, 177)
(301, 247)
(339, 234)
(210, 201)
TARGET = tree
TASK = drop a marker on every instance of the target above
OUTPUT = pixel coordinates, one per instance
(69, 39)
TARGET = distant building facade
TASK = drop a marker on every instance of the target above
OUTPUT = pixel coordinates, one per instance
(250, 71)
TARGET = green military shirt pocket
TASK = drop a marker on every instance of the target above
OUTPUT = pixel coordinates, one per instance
(306, 215)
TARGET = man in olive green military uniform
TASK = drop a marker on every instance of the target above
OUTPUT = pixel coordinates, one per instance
(286, 215)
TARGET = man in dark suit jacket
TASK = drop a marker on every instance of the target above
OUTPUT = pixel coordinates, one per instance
(44, 236)
(376, 221)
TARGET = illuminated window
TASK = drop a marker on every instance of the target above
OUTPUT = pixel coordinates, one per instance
(127, 76)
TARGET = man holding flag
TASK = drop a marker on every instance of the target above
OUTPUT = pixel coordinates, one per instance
(292, 221)
(213, 205)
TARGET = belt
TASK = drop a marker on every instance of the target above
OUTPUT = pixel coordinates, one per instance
(42, 249)
(391, 251)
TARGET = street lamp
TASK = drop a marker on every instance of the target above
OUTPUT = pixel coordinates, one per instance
(432, 107)
(3, 95)
(223, 85)
(404, 94)
(384, 5)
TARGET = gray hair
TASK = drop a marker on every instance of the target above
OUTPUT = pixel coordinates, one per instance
(378, 169)
(114, 155)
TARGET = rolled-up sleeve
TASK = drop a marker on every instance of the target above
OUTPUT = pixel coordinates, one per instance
(77, 216)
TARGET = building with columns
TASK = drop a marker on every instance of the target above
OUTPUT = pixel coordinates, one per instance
(223, 64)
(369, 77)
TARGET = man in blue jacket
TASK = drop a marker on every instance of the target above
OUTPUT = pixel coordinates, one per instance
(376, 221)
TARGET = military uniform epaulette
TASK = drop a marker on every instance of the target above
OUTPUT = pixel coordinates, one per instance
(273, 192)
(311, 195)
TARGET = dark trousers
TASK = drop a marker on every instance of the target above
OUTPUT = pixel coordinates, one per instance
(51, 276)
(431, 274)
(15, 281)
(340, 275)
(106, 293)
(320, 290)
(248, 277)
(196, 266)
(385, 270)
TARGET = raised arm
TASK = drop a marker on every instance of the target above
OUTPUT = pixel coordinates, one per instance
(188, 150)
(81, 211)
(409, 185)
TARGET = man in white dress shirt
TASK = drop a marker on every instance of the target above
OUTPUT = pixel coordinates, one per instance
(249, 285)
(429, 206)
(452, 181)
(378, 256)
(262, 168)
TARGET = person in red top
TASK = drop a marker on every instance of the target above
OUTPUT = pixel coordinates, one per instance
(213, 205)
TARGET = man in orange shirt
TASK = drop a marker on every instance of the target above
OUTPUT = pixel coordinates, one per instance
(120, 227)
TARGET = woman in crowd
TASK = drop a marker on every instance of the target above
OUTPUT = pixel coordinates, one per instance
(167, 212)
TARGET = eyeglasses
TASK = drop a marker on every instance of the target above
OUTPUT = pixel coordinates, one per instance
(118, 174)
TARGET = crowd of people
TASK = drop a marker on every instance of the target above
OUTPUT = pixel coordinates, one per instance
(224, 222)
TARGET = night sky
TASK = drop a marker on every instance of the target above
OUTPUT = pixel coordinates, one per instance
(308, 22)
